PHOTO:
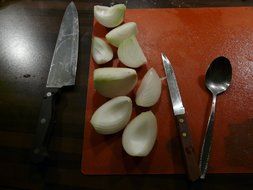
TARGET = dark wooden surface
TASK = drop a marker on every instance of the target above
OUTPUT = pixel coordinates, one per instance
(28, 32)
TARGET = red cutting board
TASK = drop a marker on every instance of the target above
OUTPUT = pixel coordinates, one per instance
(191, 38)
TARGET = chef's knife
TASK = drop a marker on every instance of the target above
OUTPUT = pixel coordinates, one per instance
(179, 112)
(62, 73)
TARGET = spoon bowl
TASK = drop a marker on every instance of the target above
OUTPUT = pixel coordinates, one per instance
(218, 78)
(219, 75)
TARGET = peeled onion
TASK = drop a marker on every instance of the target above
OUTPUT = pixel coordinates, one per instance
(117, 35)
(130, 53)
(101, 51)
(110, 16)
(114, 81)
(140, 134)
(112, 116)
(149, 90)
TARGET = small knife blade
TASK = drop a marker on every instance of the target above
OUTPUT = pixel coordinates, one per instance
(62, 73)
(179, 112)
(176, 100)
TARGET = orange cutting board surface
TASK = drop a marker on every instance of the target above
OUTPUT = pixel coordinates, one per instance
(191, 38)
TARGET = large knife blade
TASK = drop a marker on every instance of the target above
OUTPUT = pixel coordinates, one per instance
(179, 112)
(62, 73)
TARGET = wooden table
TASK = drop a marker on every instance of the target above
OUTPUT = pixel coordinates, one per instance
(28, 32)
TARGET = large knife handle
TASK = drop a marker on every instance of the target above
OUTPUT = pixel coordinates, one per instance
(188, 149)
(44, 126)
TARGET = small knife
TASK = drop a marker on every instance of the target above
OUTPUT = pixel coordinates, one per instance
(62, 73)
(179, 112)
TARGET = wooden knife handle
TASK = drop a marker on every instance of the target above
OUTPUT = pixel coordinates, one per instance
(188, 149)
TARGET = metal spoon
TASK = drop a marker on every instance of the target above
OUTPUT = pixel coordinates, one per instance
(218, 78)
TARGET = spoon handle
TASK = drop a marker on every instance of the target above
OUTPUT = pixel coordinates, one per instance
(206, 147)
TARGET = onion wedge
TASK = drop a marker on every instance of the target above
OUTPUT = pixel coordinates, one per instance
(140, 134)
(110, 16)
(119, 34)
(149, 90)
(130, 53)
(101, 51)
(114, 81)
(112, 116)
